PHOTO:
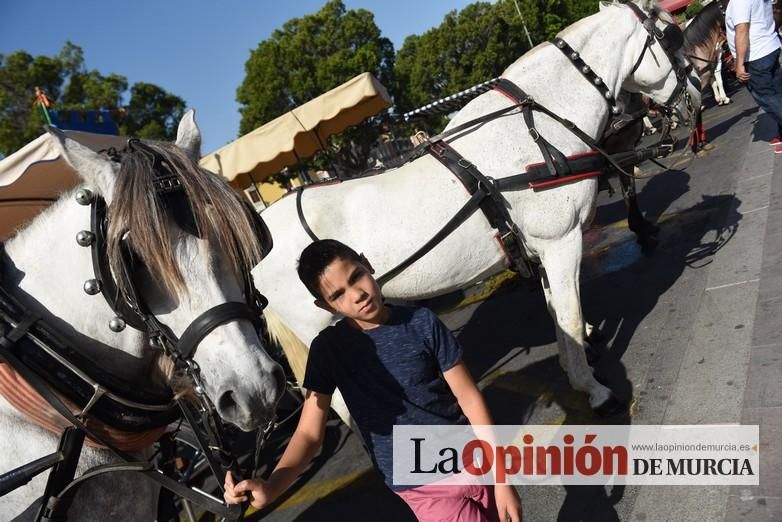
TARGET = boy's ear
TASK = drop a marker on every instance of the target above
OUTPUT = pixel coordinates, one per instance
(323, 305)
(366, 263)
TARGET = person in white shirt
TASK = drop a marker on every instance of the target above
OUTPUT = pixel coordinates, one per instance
(753, 40)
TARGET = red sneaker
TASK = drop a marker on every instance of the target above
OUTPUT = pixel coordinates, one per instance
(778, 149)
(776, 141)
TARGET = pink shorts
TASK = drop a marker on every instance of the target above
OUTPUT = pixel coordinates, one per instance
(433, 503)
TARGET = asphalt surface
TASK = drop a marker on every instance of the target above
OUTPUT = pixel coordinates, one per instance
(691, 337)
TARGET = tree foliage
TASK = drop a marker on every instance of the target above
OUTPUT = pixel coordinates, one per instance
(307, 57)
(151, 113)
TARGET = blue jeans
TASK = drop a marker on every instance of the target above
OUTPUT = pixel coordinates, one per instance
(765, 84)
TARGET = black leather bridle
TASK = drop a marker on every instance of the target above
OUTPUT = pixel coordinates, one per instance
(132, 309)
(670, 40)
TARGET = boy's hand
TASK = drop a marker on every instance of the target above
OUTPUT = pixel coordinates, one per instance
(508, 503)
(258, 491)
(231, 496)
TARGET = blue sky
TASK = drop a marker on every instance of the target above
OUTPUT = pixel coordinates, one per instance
(195, 49)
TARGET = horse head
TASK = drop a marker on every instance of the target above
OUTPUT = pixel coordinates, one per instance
(178, 245)
(654, 60)
(703, 40)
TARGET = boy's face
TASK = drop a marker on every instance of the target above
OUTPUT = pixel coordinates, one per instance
(349, 289)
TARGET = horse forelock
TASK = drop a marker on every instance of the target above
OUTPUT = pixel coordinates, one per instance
(137, 211)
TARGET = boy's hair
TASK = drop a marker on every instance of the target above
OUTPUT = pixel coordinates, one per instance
(317, 257)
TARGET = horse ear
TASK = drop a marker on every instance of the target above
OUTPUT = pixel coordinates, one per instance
(188, 136)
(97, 171)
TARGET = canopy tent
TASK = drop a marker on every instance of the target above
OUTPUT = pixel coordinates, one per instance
(33, 177)
(301, 132)
(673, 6)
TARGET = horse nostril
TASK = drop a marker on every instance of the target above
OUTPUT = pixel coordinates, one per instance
(226, 402)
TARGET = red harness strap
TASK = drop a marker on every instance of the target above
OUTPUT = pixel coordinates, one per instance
(27, 401)
(576, 176)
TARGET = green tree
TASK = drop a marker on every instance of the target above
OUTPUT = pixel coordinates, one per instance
(152, 112)
(307, 57)
(20, 73)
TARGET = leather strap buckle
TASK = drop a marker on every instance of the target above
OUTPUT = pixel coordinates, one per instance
(438, 148)
(534, 133)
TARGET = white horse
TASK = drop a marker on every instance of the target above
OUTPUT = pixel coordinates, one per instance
(389, 216)
(45, 269)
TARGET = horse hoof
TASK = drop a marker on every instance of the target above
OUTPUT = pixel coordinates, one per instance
(611, 407)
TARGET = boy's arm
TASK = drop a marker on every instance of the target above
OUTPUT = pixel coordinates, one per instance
(302, 448)
(474, 407)
(467, 394)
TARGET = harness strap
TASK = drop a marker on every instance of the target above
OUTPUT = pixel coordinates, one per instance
(62, 473)
(9, 339)
(473, 204)
(302, 219)
(587, 72)
(208, 321)
(556, 162)
(423, 148)
(492, 203)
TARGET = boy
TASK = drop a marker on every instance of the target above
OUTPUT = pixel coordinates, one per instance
(393, 365)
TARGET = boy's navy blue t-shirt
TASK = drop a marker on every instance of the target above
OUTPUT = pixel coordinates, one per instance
(388, 375)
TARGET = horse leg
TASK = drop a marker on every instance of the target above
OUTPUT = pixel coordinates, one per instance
(589, 330)
(716, 90)
(645, 231)
(717, 85)
(561, 260)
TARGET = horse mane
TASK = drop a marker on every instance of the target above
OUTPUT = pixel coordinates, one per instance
(138, 212)
(703, 27)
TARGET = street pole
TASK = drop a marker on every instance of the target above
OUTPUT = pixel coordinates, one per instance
(524, 24)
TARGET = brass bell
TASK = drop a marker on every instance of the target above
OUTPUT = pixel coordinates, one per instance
(85, 238)
(117, 324)
(84, 196)
(91, 286)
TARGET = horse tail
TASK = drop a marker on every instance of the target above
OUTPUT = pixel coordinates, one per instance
(294, 348)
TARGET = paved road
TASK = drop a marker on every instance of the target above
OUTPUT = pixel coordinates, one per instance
(691, 338)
